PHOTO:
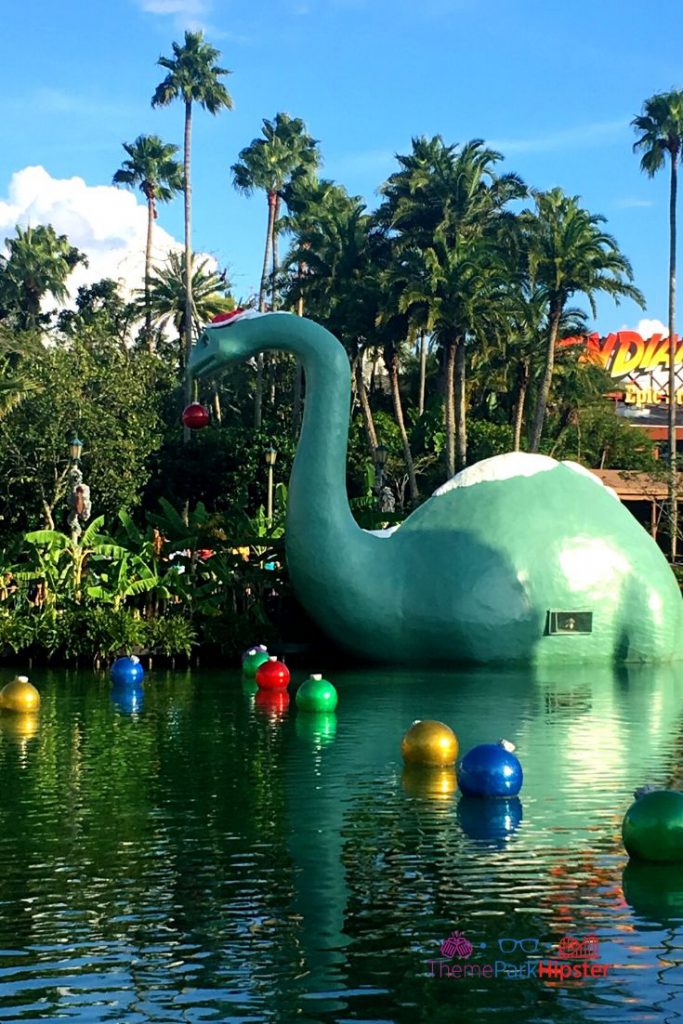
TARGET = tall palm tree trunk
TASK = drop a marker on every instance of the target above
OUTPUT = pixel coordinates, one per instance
(423, 374)
(544, 390)
(522, 386)
(673, 483)
(188, 258)
(151, 214)
(449, 405)
(258, 395)
(368, 419)
(276, 254)
(460, 406)
(398, 413)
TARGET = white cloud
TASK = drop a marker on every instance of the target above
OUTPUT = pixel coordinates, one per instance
(580, 136)
(646, 328)
(185, 13)
(632, 203)
(108, 224)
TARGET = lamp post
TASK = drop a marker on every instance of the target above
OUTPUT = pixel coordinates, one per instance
(380, 456)
(78, 501)
(270, 455)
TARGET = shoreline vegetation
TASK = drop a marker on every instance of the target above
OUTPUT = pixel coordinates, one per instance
(450, 298)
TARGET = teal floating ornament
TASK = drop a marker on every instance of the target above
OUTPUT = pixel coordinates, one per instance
(652, 829)
(252, 659)
(316, 694)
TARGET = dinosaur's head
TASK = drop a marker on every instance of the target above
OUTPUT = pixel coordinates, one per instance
(230, 338)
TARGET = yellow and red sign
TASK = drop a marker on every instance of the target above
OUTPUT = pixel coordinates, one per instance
(640, 364)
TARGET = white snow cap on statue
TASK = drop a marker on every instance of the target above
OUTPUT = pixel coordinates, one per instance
(512, 464)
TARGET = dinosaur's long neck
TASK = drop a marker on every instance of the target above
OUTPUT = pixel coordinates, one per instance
(318, 514)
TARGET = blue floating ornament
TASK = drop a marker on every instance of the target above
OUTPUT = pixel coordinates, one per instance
(127, 671)
(490, 770)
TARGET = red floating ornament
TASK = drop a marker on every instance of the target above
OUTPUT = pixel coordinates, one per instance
(195, 416)
(272, 675)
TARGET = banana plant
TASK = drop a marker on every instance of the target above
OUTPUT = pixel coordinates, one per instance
(123, 577)
(60, 561)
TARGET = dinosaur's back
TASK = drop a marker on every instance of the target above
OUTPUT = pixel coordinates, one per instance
(521, 558)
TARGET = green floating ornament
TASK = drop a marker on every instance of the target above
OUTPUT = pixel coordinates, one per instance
(252, 659)
(316, 694)
(652, 829)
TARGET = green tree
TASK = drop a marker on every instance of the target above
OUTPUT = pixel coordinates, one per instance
(661, 133)
(270, 164)
(444, 208)
(193, 77)
(38, 264)
(151, 166)
(569, 254)
(167, 299)
(100, 310)
(113, 399)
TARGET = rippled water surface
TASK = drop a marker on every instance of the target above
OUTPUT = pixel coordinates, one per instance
(203, 856)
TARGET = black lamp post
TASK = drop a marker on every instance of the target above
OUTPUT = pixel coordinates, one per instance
(270, 455)
(380, 456)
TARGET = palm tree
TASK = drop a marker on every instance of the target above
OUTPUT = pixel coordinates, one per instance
(194, 77)
(443, 208)
(269, 164)
(332, 237)
(166, 297)
(38, 264)
(151, 166)
(661, 128)
(569, 254)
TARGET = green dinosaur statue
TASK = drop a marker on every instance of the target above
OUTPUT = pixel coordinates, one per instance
(518, 559)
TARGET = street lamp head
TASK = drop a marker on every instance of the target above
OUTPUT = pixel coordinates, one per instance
(75, 448)
(380, 455)
(270, 455)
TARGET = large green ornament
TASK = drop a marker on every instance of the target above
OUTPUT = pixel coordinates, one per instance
(518, 559)
(253, 659)
(316, 694)
(653, 827)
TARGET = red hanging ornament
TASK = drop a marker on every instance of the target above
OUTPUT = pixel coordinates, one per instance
(195, 416)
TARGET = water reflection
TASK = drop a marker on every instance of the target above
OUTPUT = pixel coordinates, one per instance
(194, 865)
(654, 891)
(489, 820)
(429, 783)
(129, 698)
(317, 728)
(19, 726)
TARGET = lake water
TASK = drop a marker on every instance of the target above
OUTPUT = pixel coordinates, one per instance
(201, 856)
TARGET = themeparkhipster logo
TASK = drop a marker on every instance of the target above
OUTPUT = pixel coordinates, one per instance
(575, 959)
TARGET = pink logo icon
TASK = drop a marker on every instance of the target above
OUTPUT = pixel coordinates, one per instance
(456, 945)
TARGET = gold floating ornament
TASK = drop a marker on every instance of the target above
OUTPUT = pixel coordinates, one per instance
(429, 743)
(20, 695)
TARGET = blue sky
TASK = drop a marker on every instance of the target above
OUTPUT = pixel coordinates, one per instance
(553, 86)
